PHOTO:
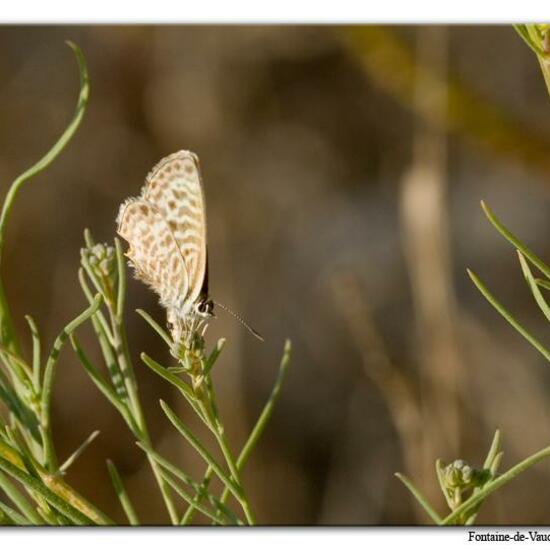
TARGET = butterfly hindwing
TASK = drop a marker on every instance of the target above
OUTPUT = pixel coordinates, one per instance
(153, 250)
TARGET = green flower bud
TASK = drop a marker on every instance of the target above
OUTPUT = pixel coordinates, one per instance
(101, 258)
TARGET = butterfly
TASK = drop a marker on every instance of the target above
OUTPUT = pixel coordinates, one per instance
(166, 230)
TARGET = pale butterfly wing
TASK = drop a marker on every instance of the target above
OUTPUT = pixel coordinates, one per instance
(153, 250)
(174, 186)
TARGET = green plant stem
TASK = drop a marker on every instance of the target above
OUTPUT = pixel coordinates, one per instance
(218, 430)
(201, 449)
(222, 442)
(257, 430)
(120, 344)
(121, 347)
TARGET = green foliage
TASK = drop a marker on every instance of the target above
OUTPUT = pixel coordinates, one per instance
(31, 478)
(537, 37)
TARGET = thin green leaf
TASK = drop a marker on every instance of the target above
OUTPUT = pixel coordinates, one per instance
(14, 516)
(99, 314)
(20, 367)
(543, 283)
(187, 498)
(49, 375)
(183, 387)
(198, 488)
(156, 327)
(523, 31)
(420, 498)
(122, 494)
(36, 351)
(17, 407)
(267, 411)
(511, 238)
(106, 342)
(265, 415)
(201, 450)
(493, 450)
(537, 294)
(103, 385)
(34, 485)
(494, 302)
(214, 356)
(76, 454)
(58, 147)
(19, 500)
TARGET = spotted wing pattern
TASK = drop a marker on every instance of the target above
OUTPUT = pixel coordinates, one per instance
(166, 230)
(174, 186)
(153, 250)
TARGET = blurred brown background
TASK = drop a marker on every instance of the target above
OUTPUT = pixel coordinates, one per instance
(343, 171)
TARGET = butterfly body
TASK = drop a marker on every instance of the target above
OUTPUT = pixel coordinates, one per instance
(166, 230)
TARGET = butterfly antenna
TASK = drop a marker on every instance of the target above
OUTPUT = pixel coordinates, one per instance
(242, 321)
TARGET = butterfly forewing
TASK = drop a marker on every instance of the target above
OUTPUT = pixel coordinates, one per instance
(174, 186)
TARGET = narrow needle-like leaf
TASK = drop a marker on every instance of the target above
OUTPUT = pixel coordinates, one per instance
(535, 291)
(49, 375)
(52, 154)
(19, 500)
(14, 516)
(494, 449)
(156, 327)
(420, 498)
(122, 494)
(500, 308)
(180, 474)
(36, 351)
(511, 238)
(83, 446)
(265, 415)
(267, 411)
(63, 506)
(103, 385)
(201, 450)
(187, 498)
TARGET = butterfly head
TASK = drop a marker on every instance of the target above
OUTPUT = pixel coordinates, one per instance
(204, 308)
